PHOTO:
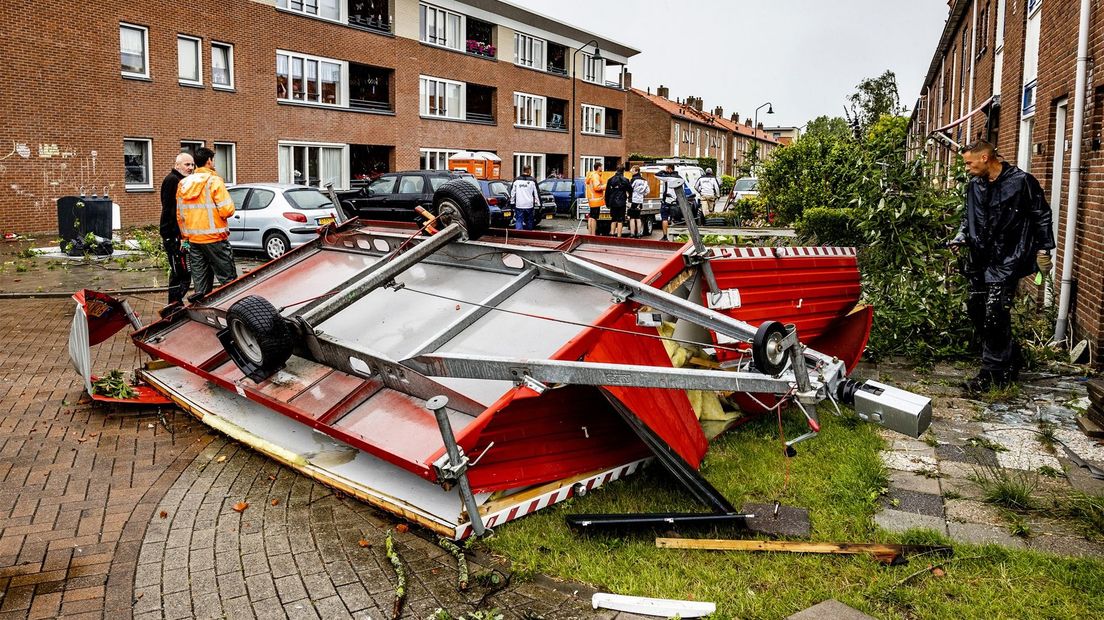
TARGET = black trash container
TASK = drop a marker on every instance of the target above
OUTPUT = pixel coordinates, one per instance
(80, 215)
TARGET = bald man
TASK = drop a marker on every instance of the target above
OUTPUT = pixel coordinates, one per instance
(179, 277)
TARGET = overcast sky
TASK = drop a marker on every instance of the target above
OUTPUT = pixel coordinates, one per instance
(804, 56)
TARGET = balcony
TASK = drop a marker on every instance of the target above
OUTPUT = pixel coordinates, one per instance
(557, 58)
(370, 88)
(556, 119)
(370, 15)
(480, 104)
(613, 123)
(480, 39)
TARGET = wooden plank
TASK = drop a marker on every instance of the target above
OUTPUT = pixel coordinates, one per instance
(882, 552)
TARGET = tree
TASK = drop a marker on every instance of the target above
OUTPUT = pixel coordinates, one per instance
(816, 170)
(827, 127)
(873, 99)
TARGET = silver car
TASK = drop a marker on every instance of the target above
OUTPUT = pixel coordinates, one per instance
(276, 217)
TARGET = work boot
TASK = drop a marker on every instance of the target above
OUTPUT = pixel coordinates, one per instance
(663, 238)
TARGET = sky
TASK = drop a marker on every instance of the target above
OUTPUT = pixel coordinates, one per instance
(803, 56)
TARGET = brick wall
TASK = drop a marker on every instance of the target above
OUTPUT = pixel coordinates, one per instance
(64, 88)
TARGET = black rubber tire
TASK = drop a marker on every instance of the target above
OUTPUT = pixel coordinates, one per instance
(768, 362)
(460, 200)
(648, 221)
(259, 332)
(271, 236)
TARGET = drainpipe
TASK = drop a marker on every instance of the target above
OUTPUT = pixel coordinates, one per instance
(970, 96)
(1073, 195)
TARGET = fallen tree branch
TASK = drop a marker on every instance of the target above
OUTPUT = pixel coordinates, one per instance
(885, 553)
(461, 561)
(400, 575)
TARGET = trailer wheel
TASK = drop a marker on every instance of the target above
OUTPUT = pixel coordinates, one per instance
(461, 202)
(258, 333)
(766, 348)
(647, 222)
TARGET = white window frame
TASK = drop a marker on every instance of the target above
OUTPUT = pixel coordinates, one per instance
(194, 144)
(303, 9)
(592, 67)
(1028, 110)
(198, 43)
(229, 176)
(424, 11)
(342, 176)
(587, 162)
(425, 82)
(525, 54)
(596, 129)
(229, 47)
(1032, 6)
(526, 100)
(149, 164)
(435, 156)
(998, 39)
(343, 87)
(530, 159)
(145, 51)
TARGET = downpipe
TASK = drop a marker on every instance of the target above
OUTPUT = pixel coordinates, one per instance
(1061, 326)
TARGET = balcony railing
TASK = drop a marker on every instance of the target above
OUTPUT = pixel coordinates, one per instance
(557, 70)
(479, 48)
(616, 133)
(479, 117)
(371, 22)
(365, 104)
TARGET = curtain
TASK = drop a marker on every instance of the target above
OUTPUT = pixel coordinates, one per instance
(132, 46)
(285, 164)
(331, 168)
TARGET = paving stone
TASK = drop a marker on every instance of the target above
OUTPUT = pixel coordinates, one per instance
(968, 453)
(979, 534)
(1066, 546)
(970, 511)
(1023, 450)
(898, 521)
(830, 610)
(912, 501)
(788, 522)
(355, 597)
(1081, 480)
(910, 481)
(290, 588)
(909, 461)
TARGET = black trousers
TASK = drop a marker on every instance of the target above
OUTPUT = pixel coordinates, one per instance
(990, 309)
(208, 262)
(179, 275)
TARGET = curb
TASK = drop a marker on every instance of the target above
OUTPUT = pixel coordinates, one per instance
(62, 294)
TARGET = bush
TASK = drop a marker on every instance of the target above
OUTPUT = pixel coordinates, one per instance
(746, 211)
(824, 226)
(726, 184)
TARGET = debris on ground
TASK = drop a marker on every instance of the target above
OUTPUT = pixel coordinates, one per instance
(884, 553)
(114, 385)
(241, 506)
(461, 561)
(667, 608)
(400, 576)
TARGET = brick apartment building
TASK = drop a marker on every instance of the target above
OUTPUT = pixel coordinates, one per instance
(657, 125)
(308, 91)
(1006, 70)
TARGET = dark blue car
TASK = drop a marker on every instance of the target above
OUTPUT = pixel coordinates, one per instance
(561, 191)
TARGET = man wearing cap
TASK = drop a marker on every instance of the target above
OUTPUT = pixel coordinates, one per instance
(709, 189)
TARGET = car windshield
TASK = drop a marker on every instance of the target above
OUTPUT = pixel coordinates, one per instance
(746, 185)
(307, 199)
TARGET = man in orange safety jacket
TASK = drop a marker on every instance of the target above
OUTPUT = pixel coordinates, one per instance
(202, 207)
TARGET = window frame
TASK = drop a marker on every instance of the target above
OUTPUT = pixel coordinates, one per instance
(342, 93)
(589, 65)
(145, 75)
(343, 174)
(230, 177)
(542, 118)
(998, 35)
(1033, 6)
(229, 47)
(148, 185)
(341, 10)
(539, 64)
(423, 98)
(1032, 87)
(198, 43)
(520, 159)
(586, 162)
(436, 153)
(601, 131)
(424, 9)
(193, 143)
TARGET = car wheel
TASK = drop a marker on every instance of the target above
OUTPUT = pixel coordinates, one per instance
(258, 334)
(276, 244)
(460, 202)
(647, 222)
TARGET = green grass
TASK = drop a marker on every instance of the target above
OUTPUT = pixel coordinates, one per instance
(839, 478)
(1007, 488)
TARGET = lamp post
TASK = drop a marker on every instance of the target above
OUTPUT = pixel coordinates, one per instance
(755, 136)
(575, 112)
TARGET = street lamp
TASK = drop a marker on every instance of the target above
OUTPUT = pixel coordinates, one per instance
(575, 112)
(755, 136)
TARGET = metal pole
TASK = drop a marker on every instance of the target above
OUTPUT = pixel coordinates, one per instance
(457, 464)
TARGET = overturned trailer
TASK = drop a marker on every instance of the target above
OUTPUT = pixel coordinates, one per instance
(462, 382)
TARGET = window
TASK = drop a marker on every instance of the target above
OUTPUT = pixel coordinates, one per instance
(440, 27)
(310, 79)
(983, 34)
(443, 98)
(189, 60)
(528, 110)
(191, 146)
(594, 119)
(326, 9)
(382, 186)
(535, 161)
(1033, 5)
(137, 154)
(261, 198)
(437, 159)
(1029, 98)
(594, 69)
(313, 165)
(222, 65)
(411, 184)
(134, 50)
(528, 51)
(588, 161)
(226, 161)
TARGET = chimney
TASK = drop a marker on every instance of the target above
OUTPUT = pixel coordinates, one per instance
(698, 103)
(735, 117)
(663, 91)
(760, 128)
(718, 111)
(747, 122)
(626, 80)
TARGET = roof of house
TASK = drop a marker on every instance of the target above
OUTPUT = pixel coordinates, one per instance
(690, 113)
(539, 20)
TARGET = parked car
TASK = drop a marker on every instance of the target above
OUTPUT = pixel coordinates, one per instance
(743, 188)
(394, 195)
(276, 217)
(561, 193)
(497, 193)
(547, 204)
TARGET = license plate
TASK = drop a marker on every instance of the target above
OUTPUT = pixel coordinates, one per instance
(322, 221)
(548, 217)
(507, 213)
(605, 217)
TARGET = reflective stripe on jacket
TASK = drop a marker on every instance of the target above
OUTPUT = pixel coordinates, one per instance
(202, 207)
(595, 190)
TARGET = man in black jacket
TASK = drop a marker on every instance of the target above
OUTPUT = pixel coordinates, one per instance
(618, 189)
(1007, 234)
(179, 276)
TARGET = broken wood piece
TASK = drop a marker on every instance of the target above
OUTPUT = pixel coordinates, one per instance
(885, 553)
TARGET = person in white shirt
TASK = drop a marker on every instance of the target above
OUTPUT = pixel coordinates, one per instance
(525, 198)
(709, 188)
(636, 202)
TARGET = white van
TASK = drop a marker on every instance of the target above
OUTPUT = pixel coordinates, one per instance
(689, 172)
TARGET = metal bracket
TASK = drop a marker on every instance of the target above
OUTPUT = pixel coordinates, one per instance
(533, 384)
(723, 300)
(448, 471)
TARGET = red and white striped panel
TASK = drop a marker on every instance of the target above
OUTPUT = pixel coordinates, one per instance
(534, 504)
(780, 252)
